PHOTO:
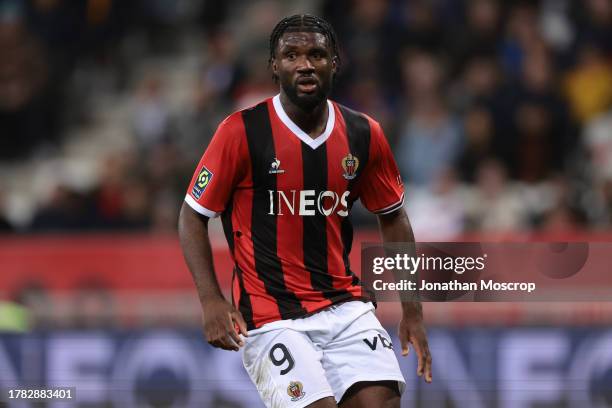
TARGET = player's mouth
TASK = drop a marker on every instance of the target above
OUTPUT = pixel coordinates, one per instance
(307, 84)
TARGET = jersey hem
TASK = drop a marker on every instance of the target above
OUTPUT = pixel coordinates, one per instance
(299, 314)
(199, 208)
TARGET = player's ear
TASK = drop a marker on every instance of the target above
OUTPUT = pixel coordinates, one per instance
(274, 66)
(335, 65)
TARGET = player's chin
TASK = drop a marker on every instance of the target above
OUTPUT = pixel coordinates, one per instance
(309, 100)
(307, 94)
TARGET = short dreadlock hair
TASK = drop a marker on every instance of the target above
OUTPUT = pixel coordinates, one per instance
(301, 23)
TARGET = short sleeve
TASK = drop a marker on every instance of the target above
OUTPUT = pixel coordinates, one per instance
(381, 189)
(220, 169)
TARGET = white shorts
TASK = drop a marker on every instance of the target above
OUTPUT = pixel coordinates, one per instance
(294, 363)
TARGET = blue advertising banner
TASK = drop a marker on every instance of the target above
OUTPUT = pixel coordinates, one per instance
(472, 367)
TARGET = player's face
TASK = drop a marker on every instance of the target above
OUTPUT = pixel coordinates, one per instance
(305, 67)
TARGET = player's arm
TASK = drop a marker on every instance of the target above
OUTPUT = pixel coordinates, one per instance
(209, 191)
(219, 317)
(395, 227)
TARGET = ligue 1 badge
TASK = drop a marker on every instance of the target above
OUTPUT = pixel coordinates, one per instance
(204, 177)
(350, 164)
(294, 390)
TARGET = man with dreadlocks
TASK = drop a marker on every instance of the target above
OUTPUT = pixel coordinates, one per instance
(283, 175)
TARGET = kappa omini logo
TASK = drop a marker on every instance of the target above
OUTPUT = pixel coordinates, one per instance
(350, 164)
(295, 391)
(201, 182)
(275, 167)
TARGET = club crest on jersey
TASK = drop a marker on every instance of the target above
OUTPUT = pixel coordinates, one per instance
(275, 167)
(294, 390)
(350, 164)
(201, 182)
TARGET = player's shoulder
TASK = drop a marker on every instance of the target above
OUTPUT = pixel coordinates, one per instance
(235, 120)
(357, 118)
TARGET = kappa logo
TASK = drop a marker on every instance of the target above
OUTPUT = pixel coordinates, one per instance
(295, 391)
(275, 167)
(350, 164)
(201, 182)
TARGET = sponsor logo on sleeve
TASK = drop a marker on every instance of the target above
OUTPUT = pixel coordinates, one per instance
(201, 182)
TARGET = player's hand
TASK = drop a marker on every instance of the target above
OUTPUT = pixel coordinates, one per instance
(412, 330)
(223, 324)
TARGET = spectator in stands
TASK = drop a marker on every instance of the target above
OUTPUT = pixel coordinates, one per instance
(562, 219)
(437, 212)
(478, 83)
(252, 32)
(593, 19)
(368, 32)
(477, 35)
(122, 200)
(534, 157)
(222, 72)
(367, 96)
(542, 134)
(166, 168)
(26, 116)
(421, 27)
(217, 80)
(151, 116)
(521, 36)
(589, 84)
(482, 79)
(136, 205)
(430, 139)
(597, 138)
(65, 210)
(495, 206)
(479, 142)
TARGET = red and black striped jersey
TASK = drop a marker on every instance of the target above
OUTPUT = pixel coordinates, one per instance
(284, 200)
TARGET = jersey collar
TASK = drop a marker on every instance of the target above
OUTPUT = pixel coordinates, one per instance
(295, 129)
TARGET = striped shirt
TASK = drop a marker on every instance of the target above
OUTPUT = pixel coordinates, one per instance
(284, 200)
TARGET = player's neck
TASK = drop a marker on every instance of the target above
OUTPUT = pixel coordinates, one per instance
(313, 122)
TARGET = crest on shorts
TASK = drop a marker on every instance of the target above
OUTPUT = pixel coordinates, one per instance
(294, 390)
(350, 164)
(201, 182)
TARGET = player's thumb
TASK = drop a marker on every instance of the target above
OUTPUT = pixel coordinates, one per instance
(239, 320)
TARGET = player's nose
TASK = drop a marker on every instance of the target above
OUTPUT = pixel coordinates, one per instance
(304, 64)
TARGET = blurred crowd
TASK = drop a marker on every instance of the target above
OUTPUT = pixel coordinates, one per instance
(499, 113)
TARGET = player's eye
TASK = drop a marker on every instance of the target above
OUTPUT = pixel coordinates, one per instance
(291, 56)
